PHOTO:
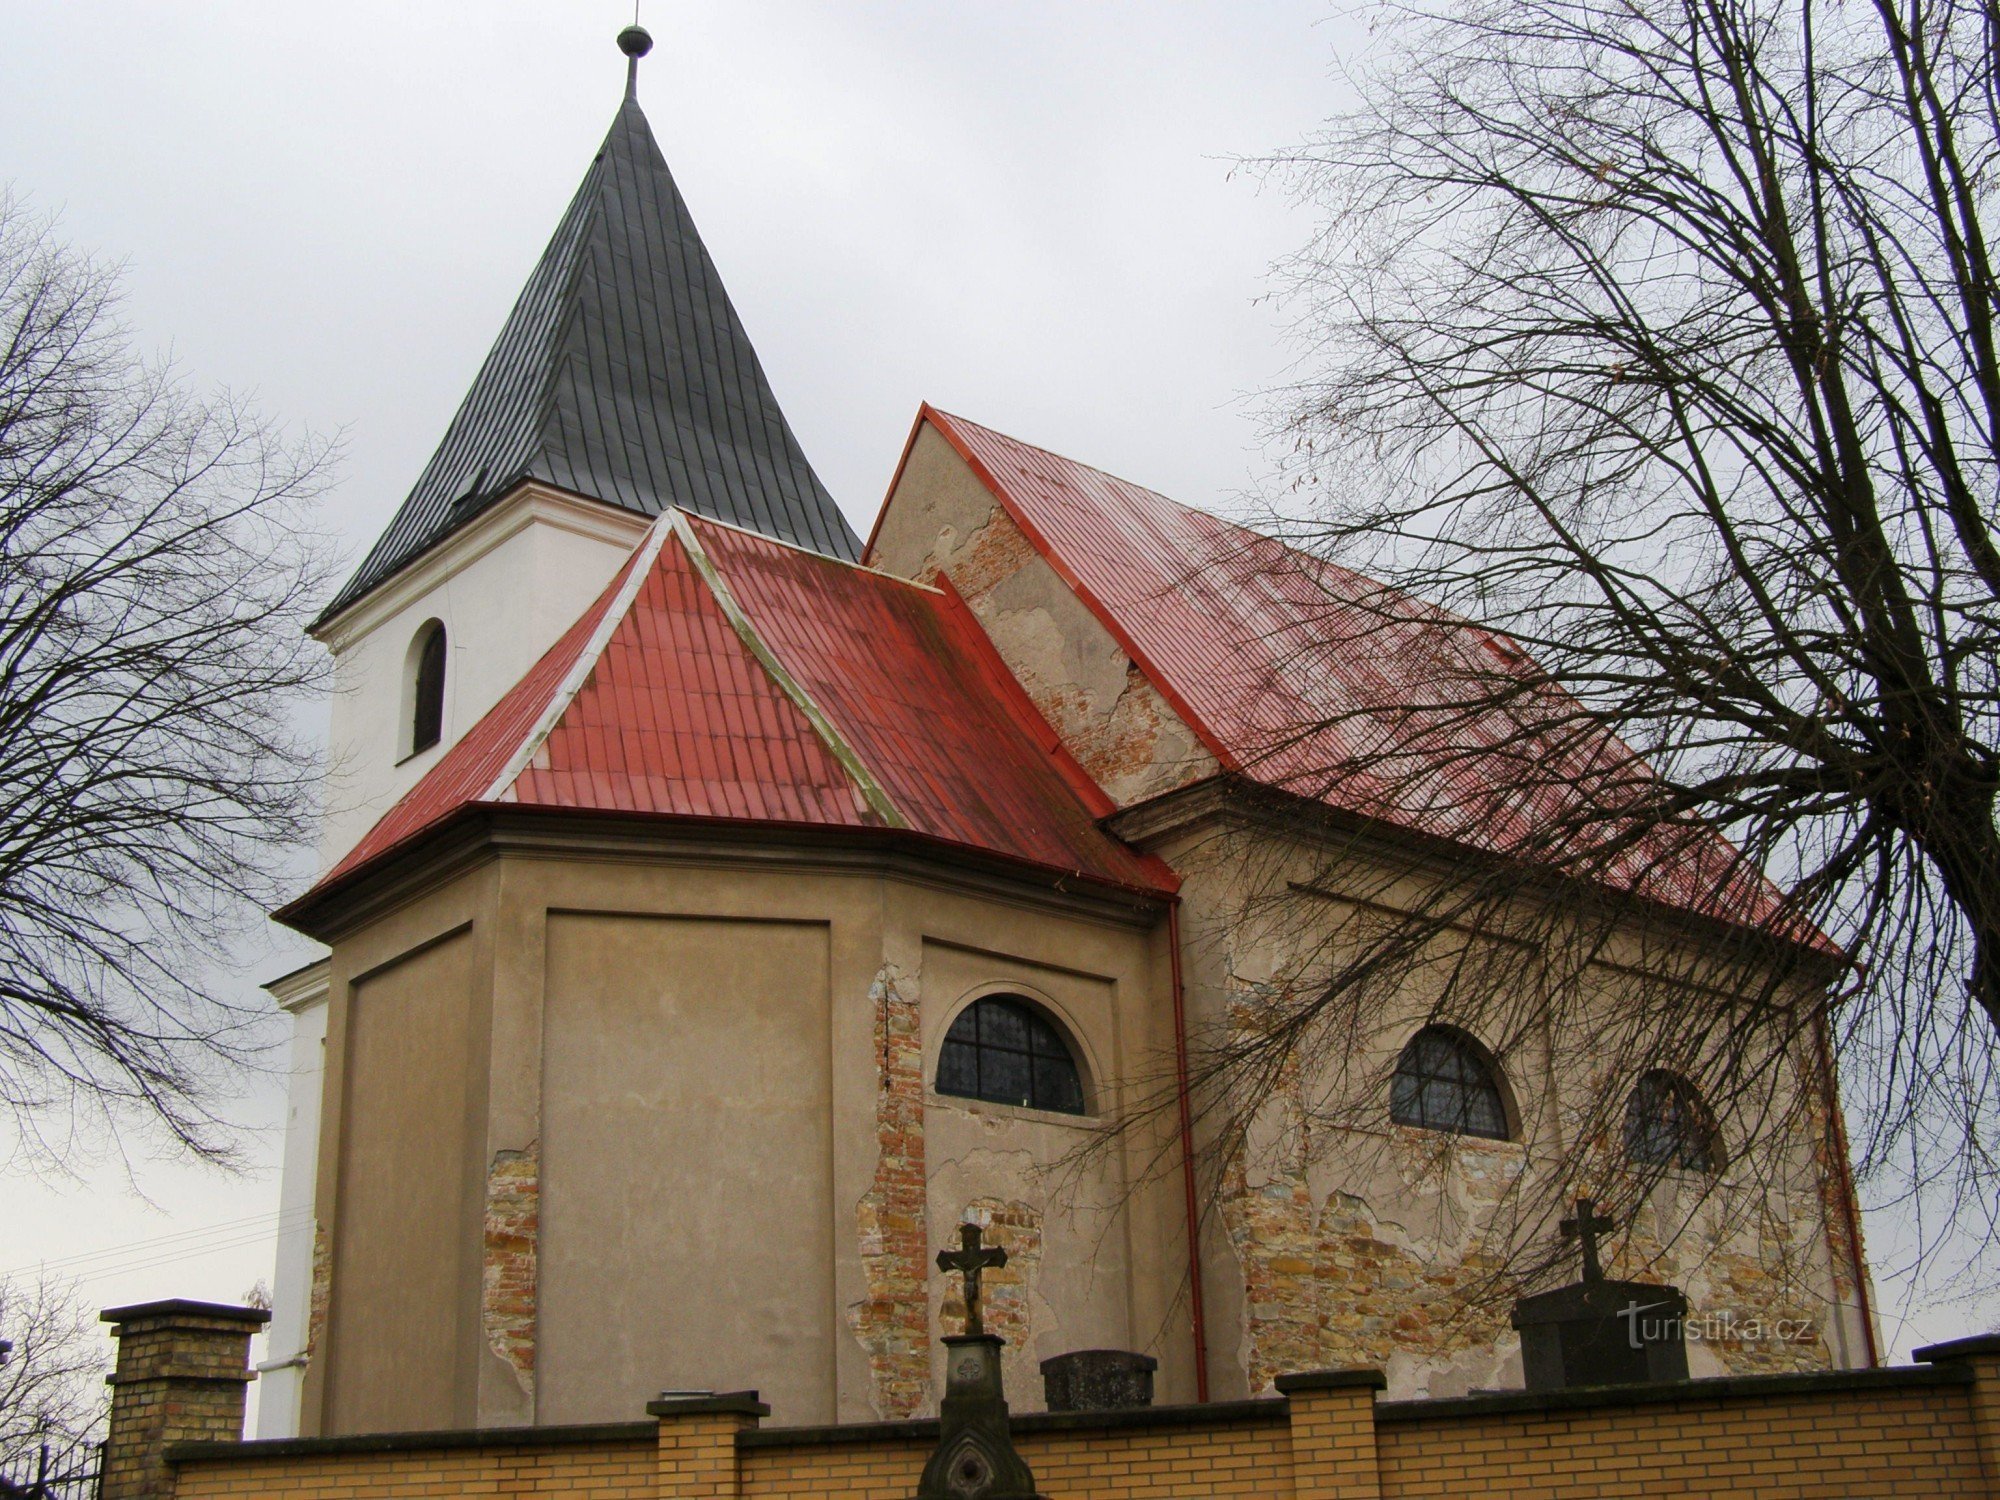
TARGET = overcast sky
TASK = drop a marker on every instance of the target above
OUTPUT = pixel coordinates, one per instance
(1029, 213)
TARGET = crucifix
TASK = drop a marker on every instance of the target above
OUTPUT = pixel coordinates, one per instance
(1586, 1226)
(972, 1260)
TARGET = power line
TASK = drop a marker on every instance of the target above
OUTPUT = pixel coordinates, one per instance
(84, 1264)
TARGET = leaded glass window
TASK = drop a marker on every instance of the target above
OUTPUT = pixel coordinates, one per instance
(1443, 1082)
(1005, 1051)
(1667, 1125)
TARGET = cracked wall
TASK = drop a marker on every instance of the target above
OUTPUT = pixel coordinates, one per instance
(1347, 1239)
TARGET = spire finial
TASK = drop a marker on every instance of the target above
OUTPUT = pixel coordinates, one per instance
(635, 42)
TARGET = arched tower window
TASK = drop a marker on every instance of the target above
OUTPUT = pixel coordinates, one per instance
(1667, 1125)
(1005, 1050)
(1444, 1081)
(427, 688)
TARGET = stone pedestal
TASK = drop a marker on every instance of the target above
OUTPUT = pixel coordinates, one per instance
(182, 1373)
(1602, 1333)
(975, 1457)
(1098, 1380)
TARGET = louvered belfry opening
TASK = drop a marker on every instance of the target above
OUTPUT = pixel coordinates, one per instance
(623, 373)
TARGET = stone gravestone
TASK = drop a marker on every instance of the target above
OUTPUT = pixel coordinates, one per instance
(1098, 1380)
(1600, 1332)
(975, 1457)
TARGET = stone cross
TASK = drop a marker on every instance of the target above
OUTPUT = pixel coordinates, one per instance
(972, 1261)
(1586, 1226)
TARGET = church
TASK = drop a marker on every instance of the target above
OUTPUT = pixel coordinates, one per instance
(722, 908)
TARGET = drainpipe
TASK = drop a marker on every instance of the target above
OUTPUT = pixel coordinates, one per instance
(1187, 1154)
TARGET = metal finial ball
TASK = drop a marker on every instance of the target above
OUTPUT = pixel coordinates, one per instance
(635, 41)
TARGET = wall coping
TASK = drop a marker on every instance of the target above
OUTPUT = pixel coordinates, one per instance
(1213, 1413)
(252, 1318)
(402, 1442)
(1722, 1388)
(738, 1403)
(1366, 1377)
(1966, 1348)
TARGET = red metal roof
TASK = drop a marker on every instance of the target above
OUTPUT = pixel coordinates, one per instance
(1313, 679)
(726, 676)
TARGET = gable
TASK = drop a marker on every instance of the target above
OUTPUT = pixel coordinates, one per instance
(941, 520)
(1297, 674)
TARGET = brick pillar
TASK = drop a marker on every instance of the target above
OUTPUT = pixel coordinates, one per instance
(181, 1376)
(1333, 1433)
(698, 1443)
(1981, 1355)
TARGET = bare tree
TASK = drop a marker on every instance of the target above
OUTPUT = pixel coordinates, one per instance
(1658, 338)
(52, 1377)
(155, 570)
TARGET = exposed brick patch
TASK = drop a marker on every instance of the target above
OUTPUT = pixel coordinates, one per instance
(1753, 1277)
(508, 1270)
(1327, 1283)
(892, 1322)
(1325, 1286)
(322, 1289)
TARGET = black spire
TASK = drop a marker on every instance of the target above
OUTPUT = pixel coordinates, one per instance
(623, 373)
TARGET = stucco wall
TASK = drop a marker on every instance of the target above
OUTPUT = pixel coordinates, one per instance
(691, 1167)
(687, 1208)
(399, 1249)
(1342, 1238)
(303, 995)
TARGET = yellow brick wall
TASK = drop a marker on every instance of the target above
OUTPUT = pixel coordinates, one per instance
(593, 1471)
(1914, 1442)
(1884, 1441)
(1237, 1459)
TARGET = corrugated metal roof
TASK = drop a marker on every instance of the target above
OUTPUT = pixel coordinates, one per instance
(1312, 679)
(727, 676)
(622, 373)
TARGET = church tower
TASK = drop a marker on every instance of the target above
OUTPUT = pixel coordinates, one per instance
(621, 384)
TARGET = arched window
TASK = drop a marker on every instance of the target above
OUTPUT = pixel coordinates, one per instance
(427, 689)
(1005, 1050)
(1443, 1081)
(1667, 1125)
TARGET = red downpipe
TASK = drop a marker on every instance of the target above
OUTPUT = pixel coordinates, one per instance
(1187, 1155)
(1838, 1125)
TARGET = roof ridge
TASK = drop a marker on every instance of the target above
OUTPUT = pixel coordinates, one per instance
(766, 657)
(1251, 532)
(1077, 463)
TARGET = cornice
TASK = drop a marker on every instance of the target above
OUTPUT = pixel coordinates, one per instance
(481, 833)
(1232, 802)
(528, 503)
(302, 987)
